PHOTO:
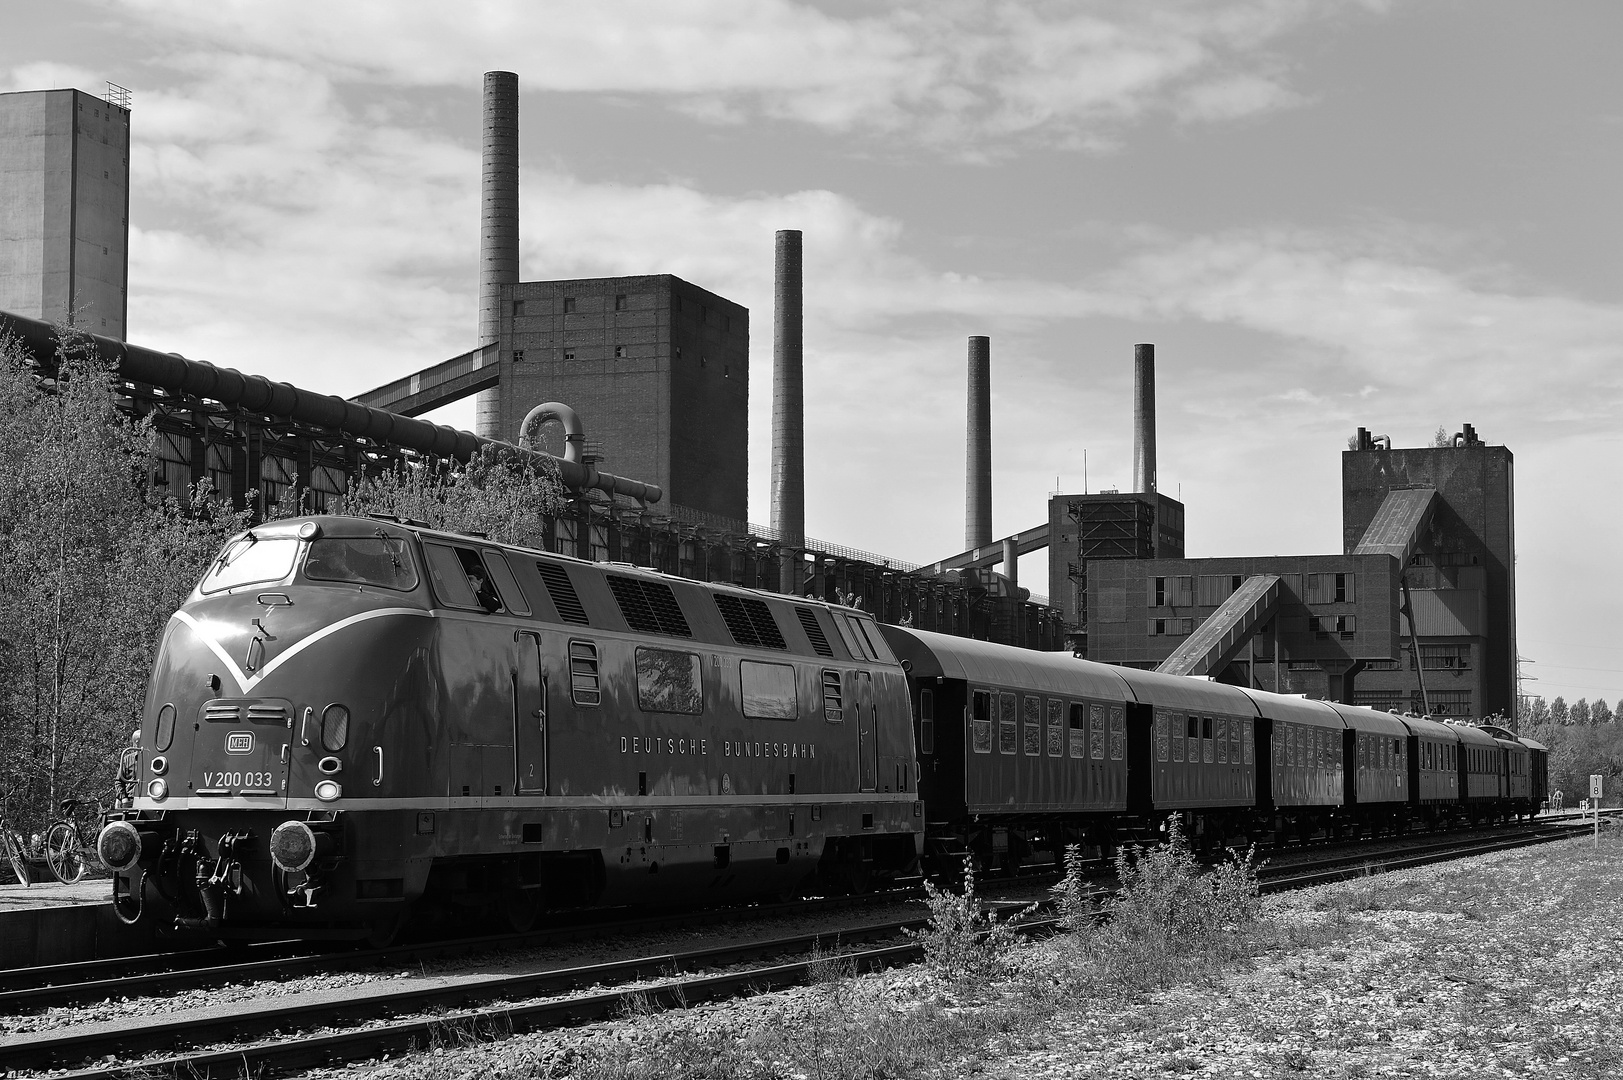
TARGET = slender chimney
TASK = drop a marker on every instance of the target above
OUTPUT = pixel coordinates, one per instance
(788, 408)
(1144, 418)
(978, 459)
(498, 229)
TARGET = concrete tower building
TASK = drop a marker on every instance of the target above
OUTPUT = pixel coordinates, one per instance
(64, 207)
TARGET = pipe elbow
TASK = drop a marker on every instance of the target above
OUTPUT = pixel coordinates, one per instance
(574, 431)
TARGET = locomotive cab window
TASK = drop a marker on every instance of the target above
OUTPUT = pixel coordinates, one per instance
(460, 578)
(381, 560)
(249, 559)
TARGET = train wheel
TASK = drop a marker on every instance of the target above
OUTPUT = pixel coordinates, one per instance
(519, 909)
(62, 853)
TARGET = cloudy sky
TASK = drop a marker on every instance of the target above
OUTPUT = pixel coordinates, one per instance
(1400, 215)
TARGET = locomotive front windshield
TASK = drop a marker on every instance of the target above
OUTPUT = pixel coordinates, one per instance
(248, 559)
(362, 560)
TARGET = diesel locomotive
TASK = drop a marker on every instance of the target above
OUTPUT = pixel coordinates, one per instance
(350, 719)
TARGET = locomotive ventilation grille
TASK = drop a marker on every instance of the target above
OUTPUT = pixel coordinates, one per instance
(264, 714)
(564, 597)
(254, 710)
(649, 607)
(222, 713)
(750, 621)
(814, 630)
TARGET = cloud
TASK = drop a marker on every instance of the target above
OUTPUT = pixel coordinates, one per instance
(947, 72)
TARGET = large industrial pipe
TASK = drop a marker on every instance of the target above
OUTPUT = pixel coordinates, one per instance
(498, 227)
(788, 407)
(978, 457)
(1144, 418)
(258, 394)
(574, 431)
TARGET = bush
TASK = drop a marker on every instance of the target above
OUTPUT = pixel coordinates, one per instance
(963, 943)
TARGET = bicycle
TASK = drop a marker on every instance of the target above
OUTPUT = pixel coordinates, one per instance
(66, 852)
(16, 851)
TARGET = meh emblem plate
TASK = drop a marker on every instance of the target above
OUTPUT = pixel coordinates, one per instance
(239, 742)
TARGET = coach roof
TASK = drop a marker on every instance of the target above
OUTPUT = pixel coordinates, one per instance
(986, 664)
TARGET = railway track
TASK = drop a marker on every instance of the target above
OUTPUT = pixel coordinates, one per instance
(394, 1020)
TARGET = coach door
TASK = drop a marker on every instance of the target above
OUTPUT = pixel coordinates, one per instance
(867, 735)
(529, 716)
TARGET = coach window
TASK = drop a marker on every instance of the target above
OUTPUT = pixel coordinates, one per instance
(1079, 733)
(1176, 722)
(1056, 728)
(980, 722)
(768, 690)
(926, 721)
(669, 681)
(512, 597)
(1162, 722)
(1290, 746)
(1096, 732)
(1220, 740)
(584, 688)
(1207, 749)
(1031, 724)
(1008, 722)
(1118, 732)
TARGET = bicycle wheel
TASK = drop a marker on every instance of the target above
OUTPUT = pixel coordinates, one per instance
(14, 855)
(62, 853)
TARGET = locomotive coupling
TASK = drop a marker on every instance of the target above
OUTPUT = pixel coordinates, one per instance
(295, 846)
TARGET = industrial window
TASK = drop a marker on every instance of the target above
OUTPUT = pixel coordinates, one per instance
(669, 681)
(619, 352)
(833, 701)
(569, 354)
(1031, 724)
(980, 722)
(518, 356)
(1118, 732)
(1343, 589)
(1096, 732)
(768, 691)
(814, 631)
(1162, 723)
(649, 607)
(518, 309)
(1445, 657)
(926, 721)
(620, 302)
(583, 684)
(1220, 740)
(1008, 723)
(562, 591)
(569, 304)
(1172, 591)
(750, 621)
(1056, 728)
(1079, 734)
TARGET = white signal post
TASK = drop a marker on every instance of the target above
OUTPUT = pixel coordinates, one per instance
(1596, 782)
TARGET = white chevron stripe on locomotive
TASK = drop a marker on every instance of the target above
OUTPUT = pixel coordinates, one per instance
(246, 682)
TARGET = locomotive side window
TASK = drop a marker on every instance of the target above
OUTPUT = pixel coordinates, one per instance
(249, 559)
(833, 699)
(853, 644)
(768, 691)
(1079, 734)
(926, 721)
(507, 587)
(878, 647)
(980, 722)
(669, 681)
(380, 560)
(1031, 724)
(1008, 724)
(583, 681)
(1096, 732)
(450, 578)
(1056, 728)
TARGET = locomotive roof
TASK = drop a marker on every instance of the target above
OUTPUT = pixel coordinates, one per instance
(1364, 719)
(983, 662)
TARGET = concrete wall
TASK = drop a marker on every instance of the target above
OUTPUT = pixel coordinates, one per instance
(672, 408)
(64, 208)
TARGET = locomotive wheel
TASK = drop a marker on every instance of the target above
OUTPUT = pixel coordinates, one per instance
(62, 853)
(518, 909)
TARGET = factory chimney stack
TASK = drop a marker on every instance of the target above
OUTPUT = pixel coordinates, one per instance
(788, 408)
(1144, 418)
(978, 457)
(498, 228)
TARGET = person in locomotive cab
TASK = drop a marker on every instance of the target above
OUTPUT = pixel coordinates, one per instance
(483, 591)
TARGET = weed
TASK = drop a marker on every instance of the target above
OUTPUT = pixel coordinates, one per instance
(963, 943)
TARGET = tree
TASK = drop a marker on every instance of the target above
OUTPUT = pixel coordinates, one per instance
(500, 494)
(1600, 712)
(1578, 714)
(1442, 437)
(1536, 710)
(1558, 710)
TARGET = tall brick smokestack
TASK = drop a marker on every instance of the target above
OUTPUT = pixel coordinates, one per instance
(978, 457)
(498, 229)
(788, 407)
(1144, 418)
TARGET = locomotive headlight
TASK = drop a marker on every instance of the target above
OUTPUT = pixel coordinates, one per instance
(160, 765)
(119, 845)
(158, 789)
(328, 790)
